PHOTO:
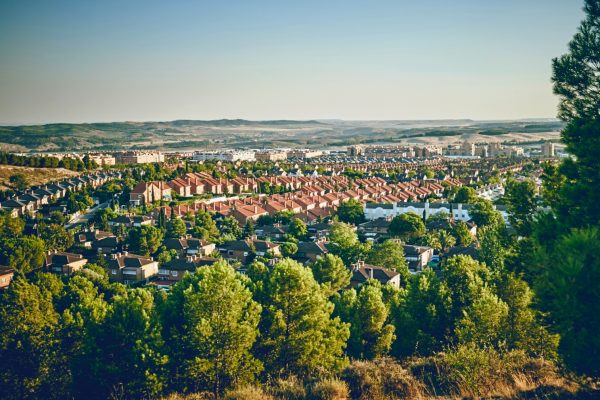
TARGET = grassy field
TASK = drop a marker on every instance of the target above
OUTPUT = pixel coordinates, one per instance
(34, 176)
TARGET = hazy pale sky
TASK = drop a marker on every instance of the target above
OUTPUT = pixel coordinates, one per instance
(117, 60)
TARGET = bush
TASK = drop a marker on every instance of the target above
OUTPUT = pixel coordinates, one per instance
(290, 388)
(381, 379)
(190, 396)
(469, 371)
(474, 371)
(247, 393)
(330, 389)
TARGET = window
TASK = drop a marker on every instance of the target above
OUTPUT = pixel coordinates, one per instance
(174, 273)
(163, 271)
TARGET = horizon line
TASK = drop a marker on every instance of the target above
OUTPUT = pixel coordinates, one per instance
(18, 124)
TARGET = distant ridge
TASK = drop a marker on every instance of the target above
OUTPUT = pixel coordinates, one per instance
(241, 133)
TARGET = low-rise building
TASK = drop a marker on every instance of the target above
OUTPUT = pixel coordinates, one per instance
(270, 156)
(244, 251)
(149, 192)
(131, 268)
(175, 270)
(417, 256)
(6, 276)
(304, 154)
(362, 272)
(64, 263)
(139, 157)
(226, 155)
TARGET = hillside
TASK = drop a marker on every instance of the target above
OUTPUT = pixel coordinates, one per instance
(34, 176)
(192, 134)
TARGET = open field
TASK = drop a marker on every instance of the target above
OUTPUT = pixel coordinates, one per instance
(35, 176)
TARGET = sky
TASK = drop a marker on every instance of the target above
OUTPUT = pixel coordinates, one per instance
(120, 60)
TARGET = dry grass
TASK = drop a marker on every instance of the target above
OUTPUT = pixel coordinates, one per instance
(381, 379)
(290, 388)
(247, 393)
(459, 374)
(330, 389)
(34, 176)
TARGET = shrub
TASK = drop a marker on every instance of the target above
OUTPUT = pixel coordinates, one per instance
(470, 371)
(247, 393)
(381, 379)
(330, 389)
(290, 388)
(190, 396)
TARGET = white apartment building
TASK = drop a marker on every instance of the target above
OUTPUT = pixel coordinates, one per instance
(225, 155)
(460, 212)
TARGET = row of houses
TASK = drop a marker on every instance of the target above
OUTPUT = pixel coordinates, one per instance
(31, 200)
(313, 202)
(198, 183)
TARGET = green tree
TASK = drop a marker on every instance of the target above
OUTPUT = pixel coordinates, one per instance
(211, 321)
(483, 320)
(19, 181)
(445, 239)
(390, 255)
(145, 239)
(491, 249)
(205, 227)
(230, 228)
(24, 254)
(103, 216)
(249, 229)
(28, 342)
(465, 279)
(175, 228)
(422, 318)
(351, 212)
(483, 213)
(524, 329)
(462, 234)
(297, 228)
(567, 286)
(55, 236)
(299, 336)
(371, 334)
(11, 227)
(521, 200)
(465, 195)
(576, 80)
(407, 226)
(331, 273)
(129, 324)
(288, 249)
(344, 243)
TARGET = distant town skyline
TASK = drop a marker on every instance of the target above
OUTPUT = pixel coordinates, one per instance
(78, 61)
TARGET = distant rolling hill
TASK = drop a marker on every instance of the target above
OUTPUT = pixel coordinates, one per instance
(196, 134)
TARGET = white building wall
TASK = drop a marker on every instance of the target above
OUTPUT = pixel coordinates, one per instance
(460, 213)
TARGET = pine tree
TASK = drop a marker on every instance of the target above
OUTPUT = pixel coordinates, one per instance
(331, 273)
(371, 335)
(299, 336)
(211, 320)
(576, 77)
(28, 342)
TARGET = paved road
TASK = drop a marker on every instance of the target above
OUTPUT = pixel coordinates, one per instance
(87, 216)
